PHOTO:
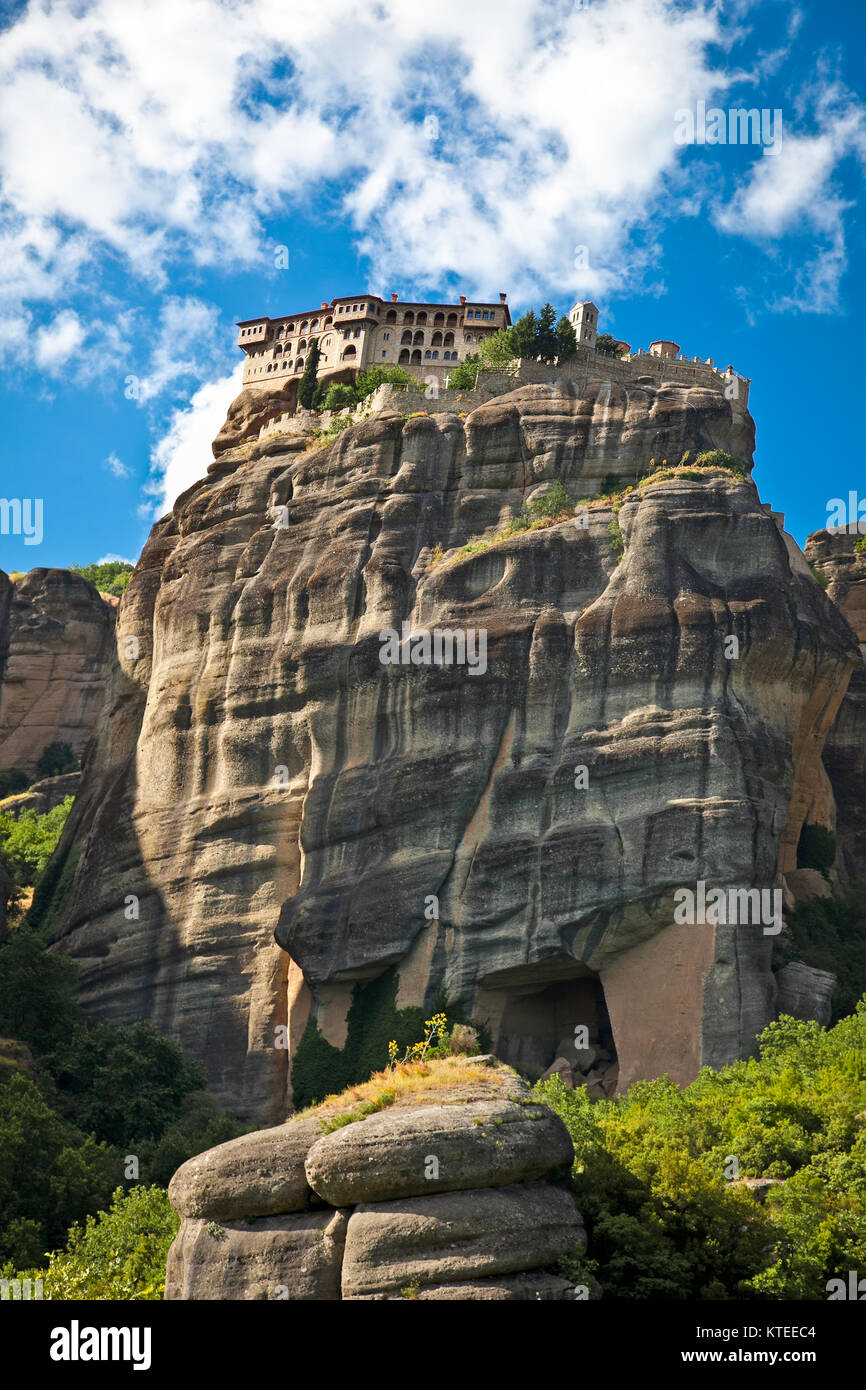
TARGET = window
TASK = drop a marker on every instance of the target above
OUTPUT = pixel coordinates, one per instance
(427, 354)
(439, 319)
(347, 332)
(384, 353)
(305, 325)
(404, 355)
(315, 322)
(452, 320)
(354, 308)
(349, 351)
(407, 336)
(386, 337)
(409, 317)
(435, 356)
(448, 340)
(422, 317)
(416, 355)
(468, 338)
(436, 340)
(357, 332)
(391, 316)
(485, 314)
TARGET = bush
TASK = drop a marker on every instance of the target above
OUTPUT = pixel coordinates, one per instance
(14, 780)
(339, 396)
(464, 377)
(118, 1254)
(717, 458)
(650, 1171)
(111, 577)
(55, 759)
(816, 848)
(26, 844)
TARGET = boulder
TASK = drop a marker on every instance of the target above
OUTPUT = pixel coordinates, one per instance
(395, 1154)
(259, 1174)
(805, 992)
(454, 1237)
(536, 1286)
(562, 1069)
(280, 1257)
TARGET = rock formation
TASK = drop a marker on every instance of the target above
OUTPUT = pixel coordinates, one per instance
(510, 838)
(56, 633)
(833, 555)
(455, 1191)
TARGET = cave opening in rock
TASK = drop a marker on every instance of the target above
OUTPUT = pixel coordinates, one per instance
(563, 1026)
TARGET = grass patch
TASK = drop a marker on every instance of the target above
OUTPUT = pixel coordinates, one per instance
(408, 1084)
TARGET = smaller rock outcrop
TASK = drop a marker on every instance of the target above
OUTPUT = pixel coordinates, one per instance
(454, 1186)
(805, 992)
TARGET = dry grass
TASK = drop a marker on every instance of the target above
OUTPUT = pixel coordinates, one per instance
(435, 1082)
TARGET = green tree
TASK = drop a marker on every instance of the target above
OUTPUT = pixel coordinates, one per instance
(566, 340)
(14, 780)
(118, 1254)
(109, 577)
(308, 382)
(339, 396)
(524, 336)
(464, 377)
(28, 843)
(546, 340)
(55, 759)
(606, 345)
(499, 350)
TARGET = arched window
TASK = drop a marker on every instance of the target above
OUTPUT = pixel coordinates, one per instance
(404, 355)
(409, 317)
(435, 356)
(419, 337)
(302, 345)
(436, 340)
(440, 318)
(305, 325)
(448, 340)
(299, 364)
(349, 351)
(315, 322)
(391, 316)
(329, 320)
(428, 355)
(416, 355)
(467, 338)
(452, 320)
(422, 317)
(407, 336)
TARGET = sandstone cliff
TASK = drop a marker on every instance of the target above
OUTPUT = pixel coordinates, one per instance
(56, 633)
(259, 771)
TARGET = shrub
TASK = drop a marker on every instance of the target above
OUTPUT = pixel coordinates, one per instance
(110, 577)
(650, 1171)
(14, 780)
(617, 541)
(26, 844)
(118, 1254)
(339, 396)
(464, 377)
(718, 458)
(55, 759)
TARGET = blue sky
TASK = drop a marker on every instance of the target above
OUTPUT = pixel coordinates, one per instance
(154, 158)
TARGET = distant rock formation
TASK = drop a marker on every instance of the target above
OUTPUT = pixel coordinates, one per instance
(261, 773)
(56, 633)
(466, 1199)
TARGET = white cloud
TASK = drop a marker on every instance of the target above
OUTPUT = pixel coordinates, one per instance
(58, 340)
(113, 559)
(172, 133)
(118, 468)
(189, 342)
(182, 455)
